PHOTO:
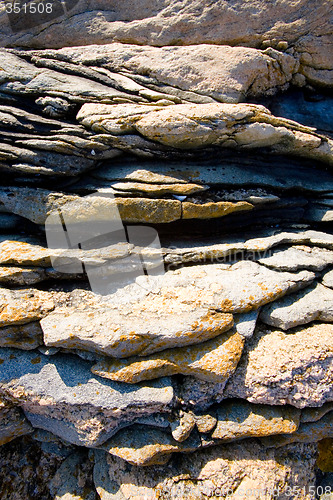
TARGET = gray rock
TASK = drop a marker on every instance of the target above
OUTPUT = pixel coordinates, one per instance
(183, 426)
(312, 304)
(266, 372)
(12, 422)
(21, 276)
(300, 257)
(59, 394)
(245, 323)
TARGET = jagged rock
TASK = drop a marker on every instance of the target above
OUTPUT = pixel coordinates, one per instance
(191, 126)
(238, 419)
(198, 394)
(173, 312)
(120, 331)
(313, 304)
(23, 306)
(300, 257)
(141, 446)
(213, 361)
(328, 279)
(183, 426)
(60, 395)
(211, 210)
(223, 73)
(28, 336)
(234, 470)
(307, 433)
(12, 422)
(266, 372)
(205, 422)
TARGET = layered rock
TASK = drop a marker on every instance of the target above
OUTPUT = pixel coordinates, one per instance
(166, 251)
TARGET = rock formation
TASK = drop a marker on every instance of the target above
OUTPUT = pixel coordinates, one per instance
(166, 251)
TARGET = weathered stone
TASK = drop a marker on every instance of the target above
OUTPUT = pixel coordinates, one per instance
(224, 73)
(172, 312)
(60, 395)
(12, 423)
(306, 433)
(299, 257)
(237, 419)
(71, 481)
(231, 469)
(245, 323)
(199, 394)
(21, 276)
(205, 422)
(266, 372)
(27, 337)
(312, 304)
(135, 328)
(183, 426)
(232, 172)
(314, 414)
(211, 210)
(23, 306)
(213, 361)
(157, 189)
(191, 126)
(141, 446)
(328, 279)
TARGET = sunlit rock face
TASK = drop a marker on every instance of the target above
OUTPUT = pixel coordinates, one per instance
(166, 251)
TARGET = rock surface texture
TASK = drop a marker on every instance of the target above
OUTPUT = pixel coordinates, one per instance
(166, 250)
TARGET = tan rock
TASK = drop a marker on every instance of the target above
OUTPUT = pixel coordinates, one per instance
(211, 210)
(124, 331)
(214, 361)
(279, 368)
(182, 427)
(191, 126)
(148, 210)
(205, 422)
(140, 445)
(239, 419)
(309, 432)
(183, 189)
(23, 306)
(226, 470)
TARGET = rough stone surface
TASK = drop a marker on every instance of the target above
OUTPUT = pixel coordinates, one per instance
(266, 371)
(239, 420)
(213, 361)
(235, 467)
(312, 304)
(12, 423)
(59, 394)
(28, 336)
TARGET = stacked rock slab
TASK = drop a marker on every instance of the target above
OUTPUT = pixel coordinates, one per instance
(166, 252)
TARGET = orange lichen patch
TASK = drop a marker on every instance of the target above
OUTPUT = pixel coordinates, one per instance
(148, 210)
(146, 447)
(214, 361)
(23, 307)
(325, 455)
(212, 210)
(18, 252)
